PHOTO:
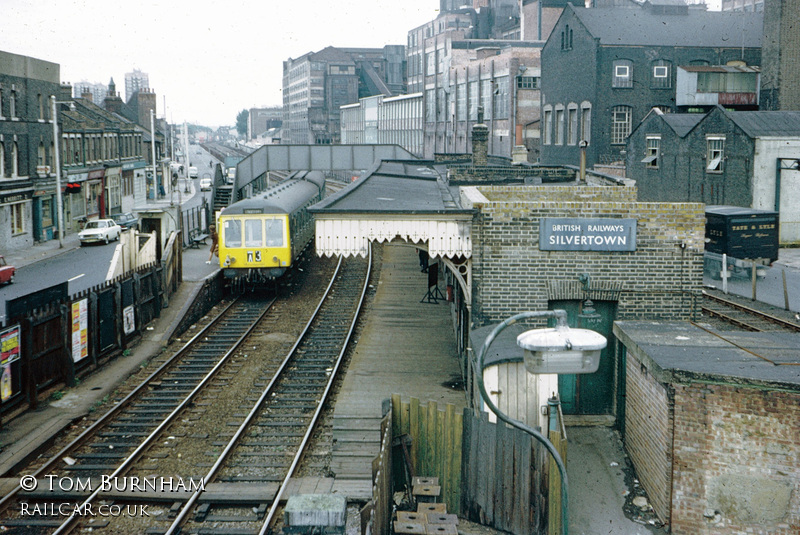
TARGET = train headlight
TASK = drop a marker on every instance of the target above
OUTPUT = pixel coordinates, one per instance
(275, 259)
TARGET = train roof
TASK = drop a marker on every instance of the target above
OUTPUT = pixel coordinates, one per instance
(283, 198)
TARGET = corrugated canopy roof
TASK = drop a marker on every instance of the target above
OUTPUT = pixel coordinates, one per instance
(622, 26)
(406, 187)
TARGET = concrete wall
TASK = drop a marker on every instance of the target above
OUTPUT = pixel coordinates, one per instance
(661, 279)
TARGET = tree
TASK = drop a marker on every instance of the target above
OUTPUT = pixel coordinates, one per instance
(241, 122)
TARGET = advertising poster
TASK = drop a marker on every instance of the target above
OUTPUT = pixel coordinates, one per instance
(128, 319)
(9, 352)
(80, 329)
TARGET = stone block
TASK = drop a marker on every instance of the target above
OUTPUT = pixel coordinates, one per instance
(315, 511)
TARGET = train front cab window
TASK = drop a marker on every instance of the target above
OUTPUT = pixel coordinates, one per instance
(233, 233)
(253, 235)
(274, 233)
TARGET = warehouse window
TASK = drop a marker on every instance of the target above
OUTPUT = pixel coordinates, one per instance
(620, 124)
(652, 152)
(623, 73)
(715, 153)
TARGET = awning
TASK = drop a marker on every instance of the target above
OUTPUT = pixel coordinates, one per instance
(650, 159)
(714, 165)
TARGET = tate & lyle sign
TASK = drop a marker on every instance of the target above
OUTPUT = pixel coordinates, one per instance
(587, 234)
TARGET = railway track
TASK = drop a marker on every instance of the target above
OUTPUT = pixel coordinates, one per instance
(743, 316)
(119, 437)
(225, 468)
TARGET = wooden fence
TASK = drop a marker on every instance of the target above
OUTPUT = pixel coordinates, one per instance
(381, 511)
(435, 444)
(492, 474)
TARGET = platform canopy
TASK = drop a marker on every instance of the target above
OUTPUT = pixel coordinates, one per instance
(395, 199)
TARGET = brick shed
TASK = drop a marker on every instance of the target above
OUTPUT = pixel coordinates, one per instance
(711, 425)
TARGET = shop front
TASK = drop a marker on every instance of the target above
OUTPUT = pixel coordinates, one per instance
(16, 225)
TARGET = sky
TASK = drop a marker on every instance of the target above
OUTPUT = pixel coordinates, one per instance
(206, 60)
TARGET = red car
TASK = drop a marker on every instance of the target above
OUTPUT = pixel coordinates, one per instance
(6, 271)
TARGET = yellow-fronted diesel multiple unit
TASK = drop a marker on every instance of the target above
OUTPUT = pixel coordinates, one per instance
(260, 237)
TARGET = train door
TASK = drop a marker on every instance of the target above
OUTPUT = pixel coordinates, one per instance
(590, 393)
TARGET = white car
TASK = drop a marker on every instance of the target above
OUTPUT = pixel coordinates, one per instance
(193, 172)
(205, 184)
(100, 230)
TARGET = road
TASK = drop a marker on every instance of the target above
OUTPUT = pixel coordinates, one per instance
(84, 267)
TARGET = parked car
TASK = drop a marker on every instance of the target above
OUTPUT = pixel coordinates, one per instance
(6, 272)
(100, 230)
(192, 172)
(205, 184)
(126, 220)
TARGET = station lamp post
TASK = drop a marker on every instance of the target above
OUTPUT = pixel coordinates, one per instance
(553, 351)
(56, 154)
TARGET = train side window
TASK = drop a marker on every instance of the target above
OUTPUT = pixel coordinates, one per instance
(233, 233)
(253, 235)
(274, 232)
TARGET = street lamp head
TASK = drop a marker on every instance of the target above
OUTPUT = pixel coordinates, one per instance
(561, 350)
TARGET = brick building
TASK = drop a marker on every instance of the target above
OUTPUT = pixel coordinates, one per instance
(27, 163)
(606, 68)
(738, 158)
(710, 424)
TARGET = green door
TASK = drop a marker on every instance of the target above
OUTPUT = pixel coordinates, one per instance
(590, 393)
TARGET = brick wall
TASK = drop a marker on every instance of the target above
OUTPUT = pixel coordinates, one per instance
(660, 280)
(648, 434)
(736, 455)
(715, 459)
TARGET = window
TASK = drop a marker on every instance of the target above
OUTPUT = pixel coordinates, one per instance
(662, 75)
(566, 38)
(547, 127)
(586, 122)
(41, 106)
(652, 152)
(17, 218)
(274, 233)
(430, 106)
(572, 125)
(527, 82)
(620, 124)
(12, 104)
(487, 89)
(715, 157)
(461, 102)
(253, 233)
(232, 232)
(473, 101)
(40, 155)
(559, 126)
(14, 160)
(623, 73)
(501, 100)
